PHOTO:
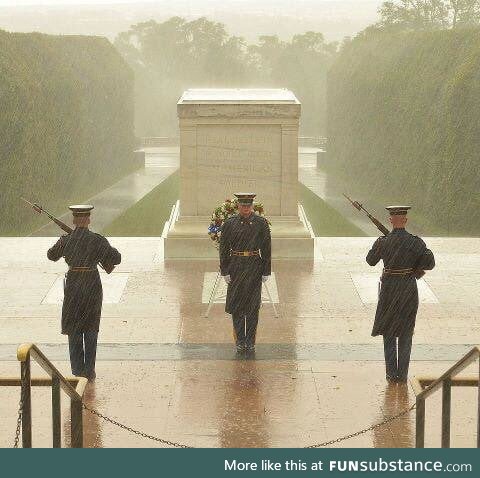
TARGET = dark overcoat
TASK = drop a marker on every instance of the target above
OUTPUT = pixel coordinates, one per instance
(245, 234)
(83, 294)
(398, 299)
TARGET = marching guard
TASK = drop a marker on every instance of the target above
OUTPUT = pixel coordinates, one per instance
(245, 262)
(83, 250)
(405, 257)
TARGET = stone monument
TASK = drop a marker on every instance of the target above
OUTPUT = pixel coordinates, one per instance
(238, 140)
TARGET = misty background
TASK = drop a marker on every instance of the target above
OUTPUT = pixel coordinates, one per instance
(394, 86)
(247, 18)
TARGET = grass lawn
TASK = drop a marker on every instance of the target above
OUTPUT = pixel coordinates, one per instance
(147, 217)
(325, 220)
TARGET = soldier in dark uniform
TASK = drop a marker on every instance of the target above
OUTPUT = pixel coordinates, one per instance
(245, 261)
(82, 304)
(404, 256)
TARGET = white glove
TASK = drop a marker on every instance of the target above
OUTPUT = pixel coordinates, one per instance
(265, 278)
(227, 278)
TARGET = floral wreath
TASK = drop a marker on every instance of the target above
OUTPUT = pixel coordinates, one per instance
(226, 210)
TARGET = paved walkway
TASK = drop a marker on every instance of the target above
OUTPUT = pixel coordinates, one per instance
(316, 180)
(318, 374)
(113, 201)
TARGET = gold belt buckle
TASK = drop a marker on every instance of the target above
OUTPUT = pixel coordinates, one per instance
(81, 269)
(398, 271)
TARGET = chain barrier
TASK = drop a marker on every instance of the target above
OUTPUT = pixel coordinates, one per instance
(132, 430)
(318, 445)
(181, 445)
(365, 430)
(19, 417)
(19, 423)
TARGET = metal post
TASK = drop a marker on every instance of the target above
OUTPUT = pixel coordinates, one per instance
(56, 413)
(420, 423)
(270, 299)
(76, 424)
(446, 411)
(26, 394)
(213, 295)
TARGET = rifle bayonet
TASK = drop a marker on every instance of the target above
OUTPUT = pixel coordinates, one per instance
(375, 221)
(37, 208)
(355, 204)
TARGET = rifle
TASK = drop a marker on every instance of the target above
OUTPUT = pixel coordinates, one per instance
(37, 208)
(418, 273)
(375, 221)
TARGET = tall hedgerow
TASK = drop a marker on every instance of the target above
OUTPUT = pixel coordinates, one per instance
(66, 122)
(404, 124)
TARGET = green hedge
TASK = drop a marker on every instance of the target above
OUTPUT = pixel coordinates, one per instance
(66, 122)
(404, 124)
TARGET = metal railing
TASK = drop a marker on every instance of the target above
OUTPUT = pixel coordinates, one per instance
(162, 141)
(314, 141)
(27, 352)
(159, 141)
(426, 386)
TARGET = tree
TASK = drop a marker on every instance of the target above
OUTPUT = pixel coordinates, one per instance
(465, 12)
(264, 56)
(300, 65)
(169, 57)
(414, 14)
(174, 55)
(429, 14)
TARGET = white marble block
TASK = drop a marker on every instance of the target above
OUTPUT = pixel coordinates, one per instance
(235, 140)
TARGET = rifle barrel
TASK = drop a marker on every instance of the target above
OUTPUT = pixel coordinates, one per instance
(375, 221)
(355, 204)
(37, 208)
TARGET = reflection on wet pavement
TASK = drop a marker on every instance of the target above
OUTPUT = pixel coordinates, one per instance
(244, 403)
(244, 420)
(167, 370)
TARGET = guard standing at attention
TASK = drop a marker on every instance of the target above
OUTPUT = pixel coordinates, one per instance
(404, 256)
(245, 262)
(83, 294)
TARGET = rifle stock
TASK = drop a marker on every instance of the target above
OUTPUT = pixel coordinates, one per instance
(379, 225)
(62, 225)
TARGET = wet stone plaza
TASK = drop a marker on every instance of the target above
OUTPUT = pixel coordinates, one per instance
(169, 371)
